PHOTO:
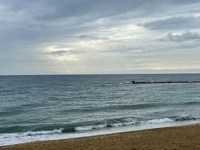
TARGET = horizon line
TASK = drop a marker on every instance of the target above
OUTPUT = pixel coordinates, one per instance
(96, 74)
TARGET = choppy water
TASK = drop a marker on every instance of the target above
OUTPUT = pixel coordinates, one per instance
(34, 107)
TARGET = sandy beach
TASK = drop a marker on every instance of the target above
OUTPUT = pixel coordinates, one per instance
(171, 138)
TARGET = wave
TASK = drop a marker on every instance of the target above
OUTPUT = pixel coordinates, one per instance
(27, 134)
(114, 84)
(159, 121)
(32, 133)
(110, 107)
(6, 90)
(88, 126)
(185, 118)
(192, 103)
(116, 107)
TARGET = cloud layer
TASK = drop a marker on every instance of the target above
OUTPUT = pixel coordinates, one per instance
(92, 36)
(185, 36)
(173, 23)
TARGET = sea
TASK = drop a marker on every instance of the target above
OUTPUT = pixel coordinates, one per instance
(51, 107)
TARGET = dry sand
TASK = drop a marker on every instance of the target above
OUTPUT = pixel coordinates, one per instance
(172, 138)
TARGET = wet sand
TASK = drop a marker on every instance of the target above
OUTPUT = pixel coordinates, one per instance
(171, 138)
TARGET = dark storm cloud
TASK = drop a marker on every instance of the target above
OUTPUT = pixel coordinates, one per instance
(173, 23)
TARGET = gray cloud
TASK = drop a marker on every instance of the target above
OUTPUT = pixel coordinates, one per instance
(185, 36)
(173, 23)
(93, 27)
(64, 52)
(52, 9)
(48, 20)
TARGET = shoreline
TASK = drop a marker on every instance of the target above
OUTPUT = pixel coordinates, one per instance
(174, 137)
(9, 139)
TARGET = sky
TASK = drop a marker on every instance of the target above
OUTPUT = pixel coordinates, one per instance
(99, 36)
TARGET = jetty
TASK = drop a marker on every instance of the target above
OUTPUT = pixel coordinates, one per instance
(162, 82)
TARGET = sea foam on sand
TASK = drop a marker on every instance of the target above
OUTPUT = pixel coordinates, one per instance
(17, 138)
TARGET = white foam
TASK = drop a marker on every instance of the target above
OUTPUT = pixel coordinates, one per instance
(30, 133)
(160, 121)
(87, 128)
(123, 124)
(17, 138)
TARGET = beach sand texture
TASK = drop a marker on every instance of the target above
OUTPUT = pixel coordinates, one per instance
(171, 138)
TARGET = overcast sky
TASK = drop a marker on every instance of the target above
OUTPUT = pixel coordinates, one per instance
(99, 36)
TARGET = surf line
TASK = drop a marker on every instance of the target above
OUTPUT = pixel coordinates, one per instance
(162, 82)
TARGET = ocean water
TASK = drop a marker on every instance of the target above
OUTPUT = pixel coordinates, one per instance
(36, 108)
